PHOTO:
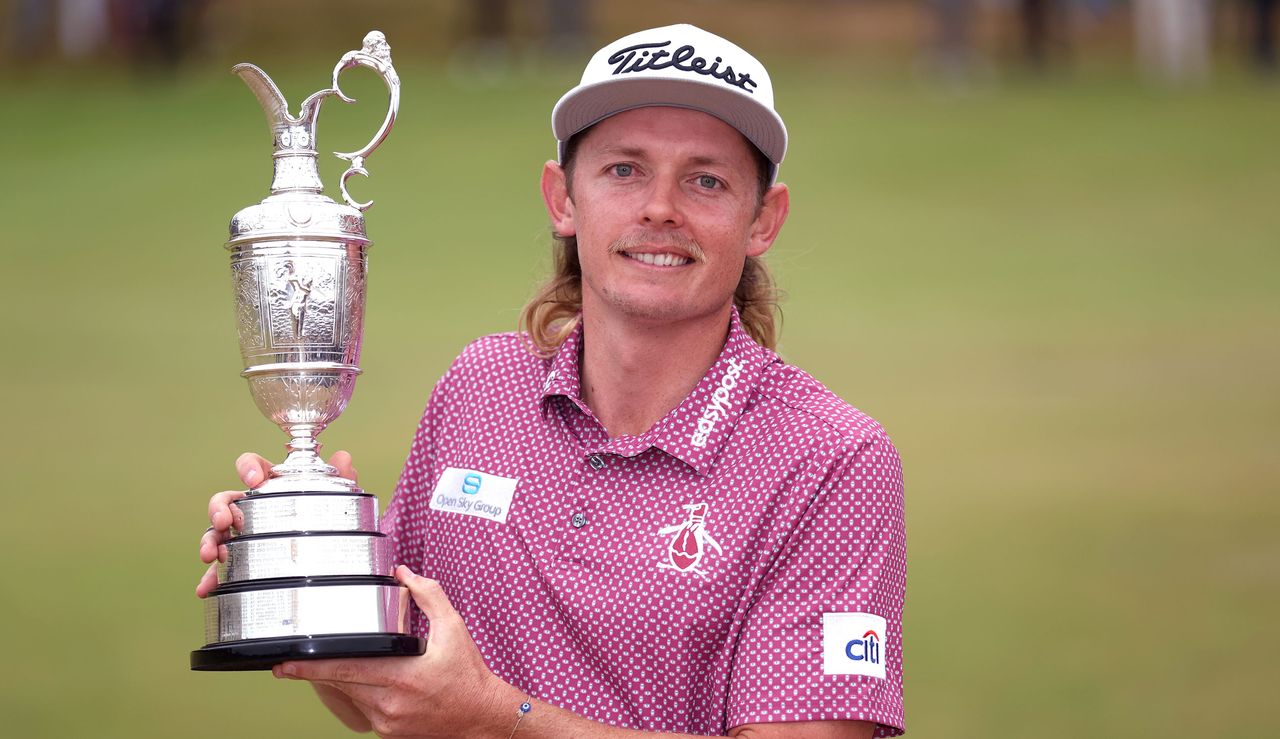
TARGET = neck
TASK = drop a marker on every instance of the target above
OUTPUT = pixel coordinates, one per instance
(634, 373)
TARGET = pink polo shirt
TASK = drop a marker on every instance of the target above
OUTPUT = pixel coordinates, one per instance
(743, 561)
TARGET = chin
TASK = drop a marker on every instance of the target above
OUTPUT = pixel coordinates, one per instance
(658, 309)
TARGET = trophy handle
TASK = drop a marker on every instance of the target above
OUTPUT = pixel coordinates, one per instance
(376, 55)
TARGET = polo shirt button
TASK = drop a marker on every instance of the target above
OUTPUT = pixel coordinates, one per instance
(596, 462)
(579, 520)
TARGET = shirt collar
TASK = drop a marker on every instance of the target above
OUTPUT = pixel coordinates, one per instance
(562, 373)
(695, 430)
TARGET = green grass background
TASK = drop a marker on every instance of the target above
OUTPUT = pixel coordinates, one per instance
(1060, 298)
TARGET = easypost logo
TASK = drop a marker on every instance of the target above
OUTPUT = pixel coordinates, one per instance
(718, 406)
(854, 644)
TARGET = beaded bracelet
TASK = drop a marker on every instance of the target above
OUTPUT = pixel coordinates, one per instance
(524, 708)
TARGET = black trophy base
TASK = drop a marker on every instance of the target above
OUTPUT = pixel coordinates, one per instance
(263, 654)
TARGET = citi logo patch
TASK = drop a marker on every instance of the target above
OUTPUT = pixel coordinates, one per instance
(853, 644)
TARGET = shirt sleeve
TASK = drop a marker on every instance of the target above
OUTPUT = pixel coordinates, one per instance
(823, 640)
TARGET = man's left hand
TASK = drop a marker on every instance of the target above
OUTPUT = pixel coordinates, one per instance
(447, 692)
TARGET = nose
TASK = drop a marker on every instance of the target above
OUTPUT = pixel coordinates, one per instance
(662, 205)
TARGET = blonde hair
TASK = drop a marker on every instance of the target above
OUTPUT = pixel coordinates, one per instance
(551, 315)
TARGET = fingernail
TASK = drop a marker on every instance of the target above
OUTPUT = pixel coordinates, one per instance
(288, 669)
(251, 477)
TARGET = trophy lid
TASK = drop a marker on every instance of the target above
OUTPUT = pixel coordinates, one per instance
(297, 207)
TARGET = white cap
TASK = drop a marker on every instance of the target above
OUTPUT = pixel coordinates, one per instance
(681, 66)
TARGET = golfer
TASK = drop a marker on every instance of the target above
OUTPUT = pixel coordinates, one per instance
(632, 518)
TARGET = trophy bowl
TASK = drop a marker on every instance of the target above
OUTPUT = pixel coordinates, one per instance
(300, 396)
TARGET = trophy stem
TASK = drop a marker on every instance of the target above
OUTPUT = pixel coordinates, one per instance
(304, 438)
(304, 454)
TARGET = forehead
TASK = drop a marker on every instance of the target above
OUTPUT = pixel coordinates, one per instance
(671, 132)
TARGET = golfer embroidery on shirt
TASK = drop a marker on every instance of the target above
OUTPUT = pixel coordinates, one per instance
(690, 542)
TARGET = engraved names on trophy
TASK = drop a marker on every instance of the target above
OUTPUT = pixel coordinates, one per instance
(358, 553)
(315, 512)
(335, 609)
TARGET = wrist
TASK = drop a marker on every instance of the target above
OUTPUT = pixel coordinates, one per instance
(499, 704)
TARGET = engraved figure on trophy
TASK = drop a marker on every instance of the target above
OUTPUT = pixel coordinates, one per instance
(307, 573)
(299, 289)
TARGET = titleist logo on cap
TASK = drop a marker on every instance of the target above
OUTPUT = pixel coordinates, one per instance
(653, 56)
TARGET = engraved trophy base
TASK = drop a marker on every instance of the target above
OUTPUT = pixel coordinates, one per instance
(263, 654)
(307, 576)
(257, 624)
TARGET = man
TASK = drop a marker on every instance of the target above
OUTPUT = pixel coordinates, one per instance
(634, 519)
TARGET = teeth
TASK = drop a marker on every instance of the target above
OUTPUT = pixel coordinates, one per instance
(660, 260)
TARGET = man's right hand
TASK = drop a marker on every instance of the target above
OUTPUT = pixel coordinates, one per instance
(224, 513)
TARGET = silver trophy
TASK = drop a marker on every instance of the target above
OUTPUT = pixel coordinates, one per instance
(308, 575)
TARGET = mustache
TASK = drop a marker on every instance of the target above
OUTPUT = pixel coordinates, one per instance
(680, 242)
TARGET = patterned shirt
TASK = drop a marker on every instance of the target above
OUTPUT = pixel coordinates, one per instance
(742, 561)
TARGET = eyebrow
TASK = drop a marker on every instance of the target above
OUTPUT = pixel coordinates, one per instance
(638, 153)
(626, 151)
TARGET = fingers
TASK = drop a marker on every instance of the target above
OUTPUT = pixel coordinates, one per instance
(342, 460)
(340, 673)
(223, 515)
(429, 596)
(208, 581)
(213, 546)
(252, 468)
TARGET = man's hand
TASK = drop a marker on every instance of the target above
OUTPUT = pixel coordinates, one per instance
(447, 692)
(224, 514)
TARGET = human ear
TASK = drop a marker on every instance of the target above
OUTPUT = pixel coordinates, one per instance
(774, 207)
(555, 194)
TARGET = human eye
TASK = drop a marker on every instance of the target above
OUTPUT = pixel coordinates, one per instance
(622, 170)
(708, 182)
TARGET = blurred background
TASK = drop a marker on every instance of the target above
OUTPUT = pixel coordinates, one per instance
(1039, 240)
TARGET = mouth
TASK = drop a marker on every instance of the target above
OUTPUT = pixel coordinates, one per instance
(664, 259)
